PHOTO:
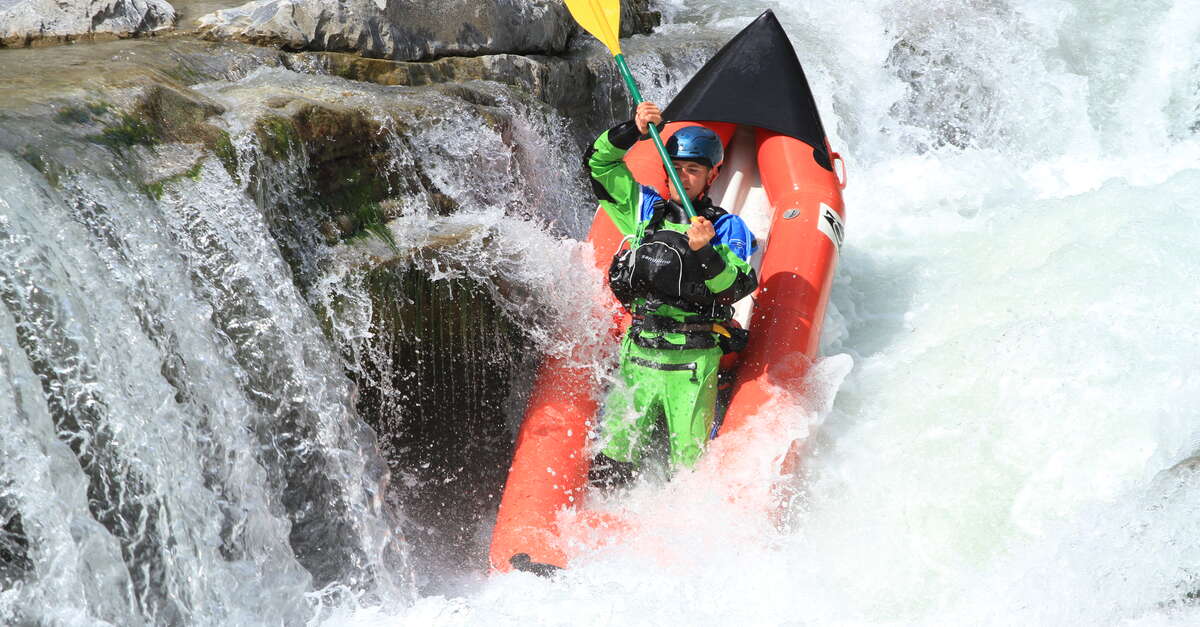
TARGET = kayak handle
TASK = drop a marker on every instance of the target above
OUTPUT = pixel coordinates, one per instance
(840, 172)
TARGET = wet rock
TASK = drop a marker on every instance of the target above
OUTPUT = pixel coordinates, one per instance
(439, 374)
(564, 82)
(14, 545)
(85, 72)
(437, 28)
(407, 30)
(357, 25)
(637, 18)
(346, 159)
(161, 114)
(581, 85)
(352, 187)
(189, 12)
(179, 114)
(411, 30)
(32, 22)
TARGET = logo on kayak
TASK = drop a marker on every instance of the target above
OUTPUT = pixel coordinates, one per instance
(790, 213)
(831, 225)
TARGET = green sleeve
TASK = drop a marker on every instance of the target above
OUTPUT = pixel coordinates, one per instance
(734, 266)
(619, 193)
(726, 275)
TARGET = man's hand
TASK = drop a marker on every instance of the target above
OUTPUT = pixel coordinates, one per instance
(700, 233)
(647, 114)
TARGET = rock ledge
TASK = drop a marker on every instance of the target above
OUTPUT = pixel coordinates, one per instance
(41, 22)
(411, 30)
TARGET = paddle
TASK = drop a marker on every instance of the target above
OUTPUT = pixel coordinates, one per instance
(602, 18)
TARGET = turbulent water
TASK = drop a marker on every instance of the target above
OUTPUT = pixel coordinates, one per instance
(1018, 296)
(1011, 374)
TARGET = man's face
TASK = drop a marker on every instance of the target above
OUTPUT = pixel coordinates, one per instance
(695, 178)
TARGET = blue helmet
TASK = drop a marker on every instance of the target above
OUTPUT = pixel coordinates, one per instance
(696, 143)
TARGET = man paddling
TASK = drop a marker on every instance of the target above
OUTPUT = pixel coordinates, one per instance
(679, 284)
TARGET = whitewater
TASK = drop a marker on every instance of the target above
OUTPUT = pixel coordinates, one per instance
(1003, 428)
(1014, 441)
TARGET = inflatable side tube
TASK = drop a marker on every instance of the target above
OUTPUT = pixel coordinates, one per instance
(795, 277)
(550, 466)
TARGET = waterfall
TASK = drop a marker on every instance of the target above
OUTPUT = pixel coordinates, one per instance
(267, 370)
(239, 412)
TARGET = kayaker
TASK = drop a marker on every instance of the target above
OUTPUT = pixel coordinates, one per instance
(679, 284)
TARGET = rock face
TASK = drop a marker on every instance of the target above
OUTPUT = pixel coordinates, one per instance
(357, 155)
(637, 18)
(29, 22)
(347, 25)
(410, 30)
(567, 82)
(454, 420)
(435, 28)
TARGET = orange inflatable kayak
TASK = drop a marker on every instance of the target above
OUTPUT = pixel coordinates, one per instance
(782, 178)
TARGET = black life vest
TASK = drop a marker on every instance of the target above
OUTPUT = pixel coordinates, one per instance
(662, 267)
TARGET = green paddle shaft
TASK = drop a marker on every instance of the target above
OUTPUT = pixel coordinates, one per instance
(662, 150)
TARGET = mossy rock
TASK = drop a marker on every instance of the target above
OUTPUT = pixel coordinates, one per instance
(162, 114)
(563, 82)
(155, 189)
(128, 130)
(177, 114)
(370, 220)
(334, 133)
(49, 169)
(349, 163)
(276, 136)
(85, 113)
(222, 146)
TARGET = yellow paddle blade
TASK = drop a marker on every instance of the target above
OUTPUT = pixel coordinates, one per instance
(601, 18)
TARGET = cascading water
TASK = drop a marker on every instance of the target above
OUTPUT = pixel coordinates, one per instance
(1013, 444)
(181, 444)
(184, 445)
